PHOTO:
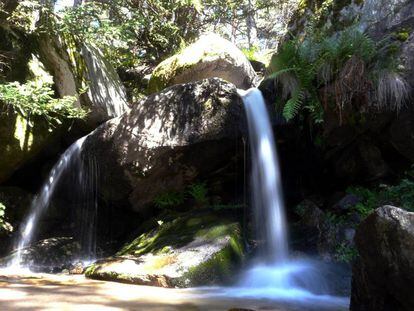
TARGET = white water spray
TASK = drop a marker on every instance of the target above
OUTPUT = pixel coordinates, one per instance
(70, 161)
(274, 275)
(266, 181)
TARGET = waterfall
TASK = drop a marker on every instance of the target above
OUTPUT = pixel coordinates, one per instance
(83, 190)
(265, 181)
(274, 274)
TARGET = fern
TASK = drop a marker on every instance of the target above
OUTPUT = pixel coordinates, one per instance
(293, 105)
(344, 65)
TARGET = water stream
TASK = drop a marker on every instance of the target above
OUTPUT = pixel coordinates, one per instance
(82, 188)
(274, 275)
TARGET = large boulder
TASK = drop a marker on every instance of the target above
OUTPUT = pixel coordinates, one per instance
(191, 250)
(105, 97)
(210, 56)
(383, 276)
(167, 142)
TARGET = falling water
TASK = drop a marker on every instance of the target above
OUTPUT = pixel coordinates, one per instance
(266, 182)
(274, 275)
(83, 186)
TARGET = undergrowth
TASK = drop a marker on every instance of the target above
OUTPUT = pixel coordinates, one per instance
(346, 70)
(37, 99)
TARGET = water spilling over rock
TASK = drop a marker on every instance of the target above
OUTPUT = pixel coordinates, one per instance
(83, 176)
(274, 275)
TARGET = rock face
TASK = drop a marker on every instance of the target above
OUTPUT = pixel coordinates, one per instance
(211, 56)
(20, 142)
(49, 255)
(167, 141)
(191, 250)
(383, 276)
(106, 93)
(105, 97)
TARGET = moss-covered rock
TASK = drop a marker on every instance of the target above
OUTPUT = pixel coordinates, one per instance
(211, 56)
(193, 249)
(19, 140)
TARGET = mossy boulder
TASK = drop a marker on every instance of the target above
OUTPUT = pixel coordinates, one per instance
(191, 250)
(20, 141)
(211, 56)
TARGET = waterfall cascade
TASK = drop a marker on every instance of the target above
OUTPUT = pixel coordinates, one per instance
(83, 188)
(274, 275)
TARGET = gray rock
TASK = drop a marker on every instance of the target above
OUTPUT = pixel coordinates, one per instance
(49, 255)
(167, 141)
(383, 276)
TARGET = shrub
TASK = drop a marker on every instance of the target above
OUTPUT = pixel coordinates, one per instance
(169, 199)
(198, 192)
(401, 195)
(321, 71)
(36, 99)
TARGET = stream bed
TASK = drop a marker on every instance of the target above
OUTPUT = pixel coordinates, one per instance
(33, 291)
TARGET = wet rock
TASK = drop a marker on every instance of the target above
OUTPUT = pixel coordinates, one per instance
(383, 276)
(49, 255)
(191, 250)
(166, 142)
(211, 56)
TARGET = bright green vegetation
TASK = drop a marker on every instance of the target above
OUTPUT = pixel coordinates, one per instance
(400, 195)
(36, 99)
(345, 72)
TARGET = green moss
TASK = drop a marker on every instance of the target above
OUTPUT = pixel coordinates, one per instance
(178, 232)
(219, 268)
(403, 34)
(165, 73)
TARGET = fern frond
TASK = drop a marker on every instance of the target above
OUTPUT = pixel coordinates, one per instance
(293, 105)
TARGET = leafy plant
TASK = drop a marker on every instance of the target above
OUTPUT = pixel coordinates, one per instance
(198, 192)
(346, 253)
(169, 199)
(320, 72)
(251, 53)
(400, 194)
(36, 99)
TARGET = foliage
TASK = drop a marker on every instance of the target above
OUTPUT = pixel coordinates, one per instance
(346, 253)
(36, 99)
(322, 72)
(198, 192)
(169, 199)
(251, 53)
(401, 195)
(130, 32)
